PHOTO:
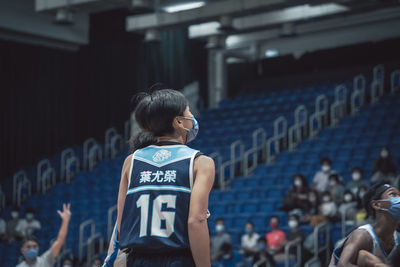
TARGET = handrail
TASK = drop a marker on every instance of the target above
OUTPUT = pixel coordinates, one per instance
(91, 246)
(110, 224)
(311, 262)
(395, 81)
(82, 227)
(378, 83)
(357, 95)
(320, 115)
(256, 148)
(21, 185)
(339, 107)
(295, 133)
(359, 83)
(127, 130)
(48, 179)
(65, 155)
(87, 145)
(378, 74)
(115, 140)
(62, 255)
(69, 172)
(231, 163)
(322, 227)
(277, 137)
(20, 175)
(344, 220)
(110, 133)
(297, 242)
(94, 153)
(42, 167)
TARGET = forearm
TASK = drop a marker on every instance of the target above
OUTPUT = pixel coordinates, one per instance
(199, 242)
(62, 233)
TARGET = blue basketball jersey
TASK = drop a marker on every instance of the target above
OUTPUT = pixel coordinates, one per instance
(156, 208)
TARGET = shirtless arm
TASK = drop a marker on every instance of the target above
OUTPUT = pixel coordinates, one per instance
(359, 240)
(123, 188)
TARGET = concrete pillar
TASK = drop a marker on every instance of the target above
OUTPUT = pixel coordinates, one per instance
(217, 77)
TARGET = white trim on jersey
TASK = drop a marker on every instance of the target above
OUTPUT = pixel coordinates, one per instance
(159, 187)
(162, 164)
(131, 168)
(191, 171)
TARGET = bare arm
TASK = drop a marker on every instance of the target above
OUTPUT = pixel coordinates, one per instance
(62, 233)
(359, 240)
(197, 222)
(123, 188)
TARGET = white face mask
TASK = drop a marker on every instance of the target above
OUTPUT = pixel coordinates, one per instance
(297, 182)
(356, 176)
(14, 214)
(29, 216)
(326, 168)
(326, 199)
(327, 209)
(219, 228)
(361, 195)
(332, 183)
(348, 198)
(293, 224)
(67, 265)
(384, 154)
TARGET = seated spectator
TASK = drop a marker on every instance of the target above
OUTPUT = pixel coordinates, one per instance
(328, 207)
(219, 239)
(336, 188)
(96, 262)
(361, 214)
(231, 258)
(68, 263)
(12, 233)
(320, 181)
(348, 207)
(295, 234)
(262, 258)
(357, 181)
(30, 246)
(312, 208)
(297, 196)
(3, 230)
(384, 168)
(276, 237)
(249, 240)
(27, 227)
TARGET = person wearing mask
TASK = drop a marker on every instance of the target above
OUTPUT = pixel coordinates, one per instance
(262, 258)
(384, 168)
(361, 214)
(275, 238)
(96, 262)
(295, 233)
(336, 188)
(348, 208)
(249, 240)
(230, 258)
(12, 233)
(321, 178)
(380, 238)
(30, 246)
(68, 263)
(297, 196)
(220, 238)
(312, 207)
(26, 227)
(328, 207)
(356, 180)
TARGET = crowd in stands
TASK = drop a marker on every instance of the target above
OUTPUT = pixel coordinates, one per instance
(328, 198)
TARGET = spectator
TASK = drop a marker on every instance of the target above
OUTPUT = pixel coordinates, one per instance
(320, 182)
(249, 240)
(312, 208)
(96, 262)
(276, 237)
(297, 196)
(328, 207)
(30, 246)
(26, 227)
(68, 263)
(348, 207)
(295, 234)
(384, 168)
(262, 258)
(3, 229)
(217, 241)
(12, 233)
(361, 215)
(230, 258)
(336, 188)
(357, 180)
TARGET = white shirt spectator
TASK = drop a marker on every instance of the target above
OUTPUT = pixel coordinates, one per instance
(26, 228)
(45, 260)
(321, 180)
(249, 241)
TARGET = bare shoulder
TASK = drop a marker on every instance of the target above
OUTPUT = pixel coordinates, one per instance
(361, 239)
(204, 162)
(127, 163)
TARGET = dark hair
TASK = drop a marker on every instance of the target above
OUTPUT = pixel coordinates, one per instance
(374, 193)
(226, 248)
(262, 239)
(334, 176)
(250, 222)
(141, 140)
(326, 160)
(302, 178)
(30, 210)
(274, 216)
(295, 216)
(220, 220)
(30, 238)
(357, 169)
(348, 191)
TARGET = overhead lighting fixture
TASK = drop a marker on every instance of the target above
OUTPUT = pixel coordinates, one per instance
(271, 53)
(63, 17)
(183, 7)
(204, 29)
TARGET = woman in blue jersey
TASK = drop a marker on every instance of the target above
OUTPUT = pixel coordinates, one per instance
(164, 188)
(378, 240)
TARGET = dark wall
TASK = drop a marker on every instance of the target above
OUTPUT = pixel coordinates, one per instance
(53, 99)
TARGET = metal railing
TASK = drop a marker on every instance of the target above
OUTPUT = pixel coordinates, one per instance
(378, 83)
(91, 247)
(357, 97)
(63, 255)
(339, 106)
(322, 228)
(320, 116)
(395, 81)
(110, 221)
(48, 180)
(82, 241)
(110, 133)
(117, 145)
(294, 243)
(238, 144)
(45, 175)
(345, 221)
(21, 182)
(258, 148)
(69, 171)
(127, 130)
(279, 139)
(299, 129)
(95, 155)
(87, 146)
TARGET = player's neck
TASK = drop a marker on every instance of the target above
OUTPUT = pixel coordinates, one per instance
(385, 226)
(168, 138)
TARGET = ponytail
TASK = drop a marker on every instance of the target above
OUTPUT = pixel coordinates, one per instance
(141, 140)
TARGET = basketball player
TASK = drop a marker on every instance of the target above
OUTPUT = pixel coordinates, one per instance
(164, 189)
(380, 238)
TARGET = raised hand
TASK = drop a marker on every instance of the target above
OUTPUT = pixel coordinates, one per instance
(66, 213)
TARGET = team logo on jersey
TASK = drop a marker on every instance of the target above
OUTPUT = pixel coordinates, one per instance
(161, 155)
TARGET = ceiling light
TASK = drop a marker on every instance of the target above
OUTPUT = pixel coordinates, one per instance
(182, 7)
(271, 53)
(63, 17)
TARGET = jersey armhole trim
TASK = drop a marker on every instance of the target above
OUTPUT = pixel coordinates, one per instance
(191, 166)
(130, 169)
